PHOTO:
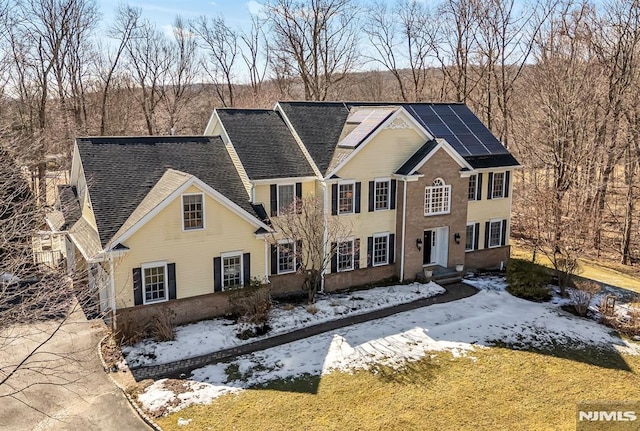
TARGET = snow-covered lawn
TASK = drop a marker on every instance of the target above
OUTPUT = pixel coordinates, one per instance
(490, 317)
(217, 334)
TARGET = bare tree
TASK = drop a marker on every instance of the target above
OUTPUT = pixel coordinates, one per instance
(316, 40)
(220, 44)
(256, 57)
(317, 235)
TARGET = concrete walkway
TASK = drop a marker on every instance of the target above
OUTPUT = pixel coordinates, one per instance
(183, 368)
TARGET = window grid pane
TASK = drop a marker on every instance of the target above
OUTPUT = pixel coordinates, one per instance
(345, 256)
(192, 210)
(469, 243)
(285, 198)
(231, 271)
(497, 190)
(380, 250)
(286, 258)
(437, 199)
(345, 198)
(154, 288)
(382, 195)
(495, 231)
(473, 183)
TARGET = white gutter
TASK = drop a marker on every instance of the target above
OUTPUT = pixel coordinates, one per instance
(404, 222)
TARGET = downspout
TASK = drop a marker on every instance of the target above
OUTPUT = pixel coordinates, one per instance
(325, 234)
(266, 261)
(404, 222)
(112, 283)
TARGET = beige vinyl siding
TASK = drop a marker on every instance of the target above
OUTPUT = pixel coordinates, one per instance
(485, 209)
(380, 158)
(263, 192)
(162, 239)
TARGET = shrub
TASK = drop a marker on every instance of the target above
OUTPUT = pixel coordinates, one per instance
(252, 305)
(130, 331)
(582, 295)
(528, 281)
(161, 327)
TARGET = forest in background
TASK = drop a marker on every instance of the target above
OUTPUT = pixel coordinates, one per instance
(557, 81)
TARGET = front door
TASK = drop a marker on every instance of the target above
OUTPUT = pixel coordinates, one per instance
(435, 246)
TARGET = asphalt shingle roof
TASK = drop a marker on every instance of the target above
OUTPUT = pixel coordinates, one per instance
(410, 165)
(120, 171)
(492, 161)
(264, 144)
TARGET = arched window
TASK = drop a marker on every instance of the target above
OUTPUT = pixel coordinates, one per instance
(437, 198)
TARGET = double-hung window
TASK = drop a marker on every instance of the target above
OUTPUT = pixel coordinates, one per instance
(380, 249)
(286, 257)
(437, 198)
(495, 233)
(154, 278)
(286, 198)
(382, 195)
(498, 186)
(472, 194)
(193, 211)
(231, 271)
(470, 242)
(345, 252)
(346, 192)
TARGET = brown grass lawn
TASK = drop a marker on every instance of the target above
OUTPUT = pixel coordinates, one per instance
(501, 389)
(606, 272)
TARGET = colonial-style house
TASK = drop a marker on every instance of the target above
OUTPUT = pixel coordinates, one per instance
(172, 222)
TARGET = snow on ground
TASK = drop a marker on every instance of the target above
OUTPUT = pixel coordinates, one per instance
(217, 334)
(489, 317)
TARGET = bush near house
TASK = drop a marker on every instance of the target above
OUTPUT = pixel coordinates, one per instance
(528, 281)
(582, 295)
(251, 305)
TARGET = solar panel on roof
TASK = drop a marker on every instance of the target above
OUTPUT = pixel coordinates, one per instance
(359, 116)
(368, 125)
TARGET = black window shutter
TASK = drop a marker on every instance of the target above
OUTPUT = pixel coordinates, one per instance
(486, 234)
(370, 251)
(372, 189)
(274, 259)
(479, 188)
(490, 185)
(137, 286)
(334, 257)
(171, 274)
(246, 268)
(299, 198)
(274, 200)
(476, 241)
(356, 253)
(358, 190)
(217, 274)
(392, 248)
(334, 199)
(392, 202)
(298, 254)
(504, 232)
(507, 178)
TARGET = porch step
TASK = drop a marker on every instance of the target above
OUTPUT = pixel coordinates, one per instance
(443, 281)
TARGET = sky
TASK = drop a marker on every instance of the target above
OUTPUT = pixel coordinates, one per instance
(237, 13)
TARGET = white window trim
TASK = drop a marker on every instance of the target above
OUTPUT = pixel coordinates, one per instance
(446, 187)
(278, 195)
(353, 198)
(474, 246)
(295, 256)
(501, 221)
(166, 282)
(477, 189)
(227, 255)
(353, 255)
(182, 212)
(386, 261)
(375, 184)
(493, 183)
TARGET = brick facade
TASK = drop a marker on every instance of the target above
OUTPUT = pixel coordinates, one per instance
(489, 258)
(440, 165)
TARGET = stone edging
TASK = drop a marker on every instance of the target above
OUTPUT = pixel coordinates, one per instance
(131, 401)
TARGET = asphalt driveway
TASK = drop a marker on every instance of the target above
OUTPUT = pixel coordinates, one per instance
(91, 401)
